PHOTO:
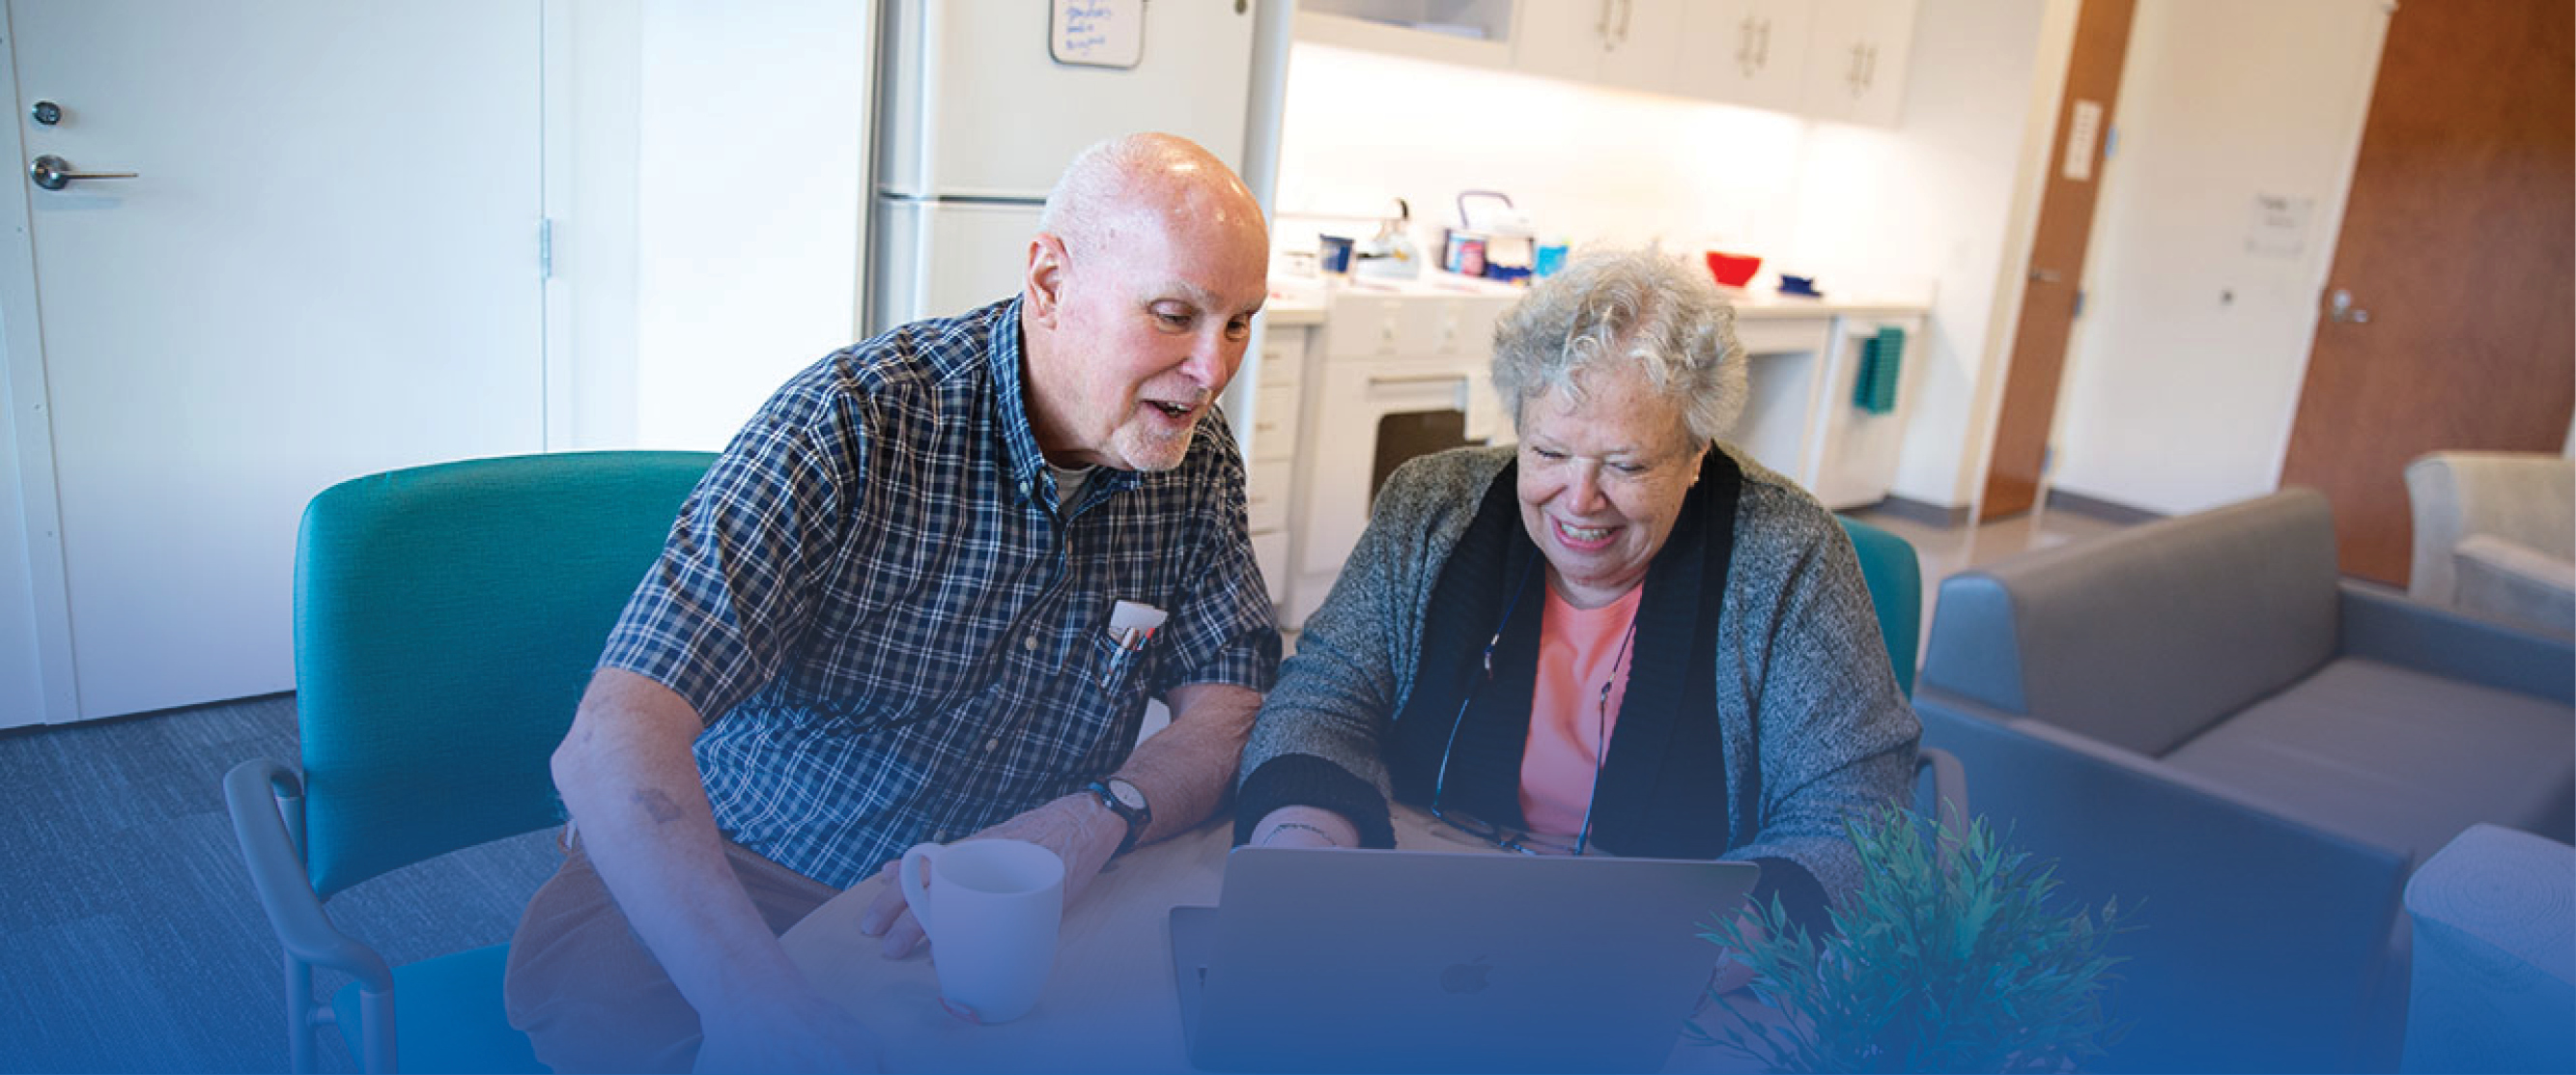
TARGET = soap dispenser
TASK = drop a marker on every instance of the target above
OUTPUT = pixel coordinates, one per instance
(1390, 254)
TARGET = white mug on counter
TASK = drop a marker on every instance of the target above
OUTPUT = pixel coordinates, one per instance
(992, 909)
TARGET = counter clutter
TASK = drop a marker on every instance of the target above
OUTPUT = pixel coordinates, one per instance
(1349, 380)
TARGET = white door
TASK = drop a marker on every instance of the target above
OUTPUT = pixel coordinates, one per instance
(326, 265)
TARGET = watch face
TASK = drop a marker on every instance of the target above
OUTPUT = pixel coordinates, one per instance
(1128, 795)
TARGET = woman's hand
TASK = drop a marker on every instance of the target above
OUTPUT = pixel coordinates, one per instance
(1305, 826)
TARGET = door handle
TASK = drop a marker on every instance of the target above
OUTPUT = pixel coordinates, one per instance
(2339, 307)
(2044, 276)
(54, 173)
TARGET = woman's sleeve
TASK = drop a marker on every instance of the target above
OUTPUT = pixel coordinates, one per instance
(1318, 740)
(1835, 737)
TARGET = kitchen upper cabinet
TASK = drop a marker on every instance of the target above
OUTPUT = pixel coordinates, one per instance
(1563, 39)
(1747, 52)
(1633, 44)
(1646, 51)
(1856, 60)
(1475, 33)
(1830, 59)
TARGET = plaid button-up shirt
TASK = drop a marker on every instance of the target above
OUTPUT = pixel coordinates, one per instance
(895, 632)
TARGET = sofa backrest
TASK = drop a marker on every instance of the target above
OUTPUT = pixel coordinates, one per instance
(2144, 637)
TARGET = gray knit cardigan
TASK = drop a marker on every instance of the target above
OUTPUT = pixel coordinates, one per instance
(1800, 656)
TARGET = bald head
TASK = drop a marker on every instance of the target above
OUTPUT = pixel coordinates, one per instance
(1148, 266)
(1162, 177)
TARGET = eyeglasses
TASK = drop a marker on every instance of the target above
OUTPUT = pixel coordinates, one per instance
(1522, 841)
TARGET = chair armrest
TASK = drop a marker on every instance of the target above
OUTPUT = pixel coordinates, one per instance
(2515, 583)
(2495, 955)
(254, 792)
(1949, 788)
(2383, 625)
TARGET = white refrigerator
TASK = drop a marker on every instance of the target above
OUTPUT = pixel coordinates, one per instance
(982, 102)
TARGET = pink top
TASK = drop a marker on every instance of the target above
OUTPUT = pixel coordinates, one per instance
(1578, 651)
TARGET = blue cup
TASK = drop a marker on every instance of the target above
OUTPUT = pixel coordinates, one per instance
(1334, 255)
(1550, 258)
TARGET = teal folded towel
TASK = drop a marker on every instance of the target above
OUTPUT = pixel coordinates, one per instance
(1881, 362)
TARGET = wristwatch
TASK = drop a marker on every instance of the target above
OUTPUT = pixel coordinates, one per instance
(1127, 801)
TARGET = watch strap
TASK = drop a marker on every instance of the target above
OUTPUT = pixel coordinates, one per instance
(1137, 818)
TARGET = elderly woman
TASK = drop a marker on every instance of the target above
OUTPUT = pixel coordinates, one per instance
(1618, 634)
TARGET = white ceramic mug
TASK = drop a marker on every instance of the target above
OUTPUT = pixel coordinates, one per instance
(991, 909)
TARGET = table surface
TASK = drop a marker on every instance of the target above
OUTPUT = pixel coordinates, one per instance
(1111, 1004)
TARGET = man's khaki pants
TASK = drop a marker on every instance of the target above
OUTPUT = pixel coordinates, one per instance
(587, 992)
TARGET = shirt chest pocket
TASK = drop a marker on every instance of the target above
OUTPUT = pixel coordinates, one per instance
(1117, 672)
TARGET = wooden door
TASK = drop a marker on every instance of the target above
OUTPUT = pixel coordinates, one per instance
(2055, 283)
(327, 265)
(2456, 246)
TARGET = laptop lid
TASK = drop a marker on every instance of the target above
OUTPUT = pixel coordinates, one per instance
(1340, 960)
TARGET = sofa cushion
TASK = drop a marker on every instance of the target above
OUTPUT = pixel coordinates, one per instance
(2397, 758)
(2143, 638)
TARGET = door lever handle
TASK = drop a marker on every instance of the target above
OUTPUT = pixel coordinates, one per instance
(2339, 308)
(2043, 276)
(54, 173)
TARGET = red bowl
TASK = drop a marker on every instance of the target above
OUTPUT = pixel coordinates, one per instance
(1733, 270)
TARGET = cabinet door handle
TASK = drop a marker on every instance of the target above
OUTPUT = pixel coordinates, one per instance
(1744, 60)
(1762, 52)
(1601, 29)
(1627, 8)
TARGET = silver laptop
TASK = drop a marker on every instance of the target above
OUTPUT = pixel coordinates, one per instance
(1334, 960)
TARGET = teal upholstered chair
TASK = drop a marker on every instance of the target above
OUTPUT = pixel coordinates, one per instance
(446, 620)
(1895, 580)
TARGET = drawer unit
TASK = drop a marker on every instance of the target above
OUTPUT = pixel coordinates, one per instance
(1275, 407)
(1264, 405)
(1266, 495)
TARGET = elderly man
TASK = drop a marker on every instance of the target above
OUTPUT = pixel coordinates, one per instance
(884, 617)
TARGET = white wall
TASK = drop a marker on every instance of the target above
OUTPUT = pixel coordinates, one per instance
(2185, 370)
(752, 134)
(1948, 197)
(591, 314)
(1586, 163)
(1935, 207)
(22, 699)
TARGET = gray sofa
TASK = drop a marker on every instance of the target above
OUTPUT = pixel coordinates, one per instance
(2200, 714)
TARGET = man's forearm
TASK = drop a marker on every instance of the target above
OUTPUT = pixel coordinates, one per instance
(1187, 768)
(626, 776)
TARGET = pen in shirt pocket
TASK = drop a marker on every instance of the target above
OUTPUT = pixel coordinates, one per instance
(1131, 626)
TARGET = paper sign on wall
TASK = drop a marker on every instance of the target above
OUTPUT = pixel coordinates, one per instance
(2280, 225)
(2082, 130)
(1097, 33)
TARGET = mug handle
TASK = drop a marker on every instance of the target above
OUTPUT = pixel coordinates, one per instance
(913, 877)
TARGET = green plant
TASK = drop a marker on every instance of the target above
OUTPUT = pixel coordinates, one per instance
(1949, 958)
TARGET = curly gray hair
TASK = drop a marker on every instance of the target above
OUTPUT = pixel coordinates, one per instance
(1655, 311)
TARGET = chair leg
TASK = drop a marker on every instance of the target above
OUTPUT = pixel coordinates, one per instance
(376, 1016)
(299, 1017)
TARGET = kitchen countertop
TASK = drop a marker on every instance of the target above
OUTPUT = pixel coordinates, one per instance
(1293, 305)
(1296, 302)
(1751, 305)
